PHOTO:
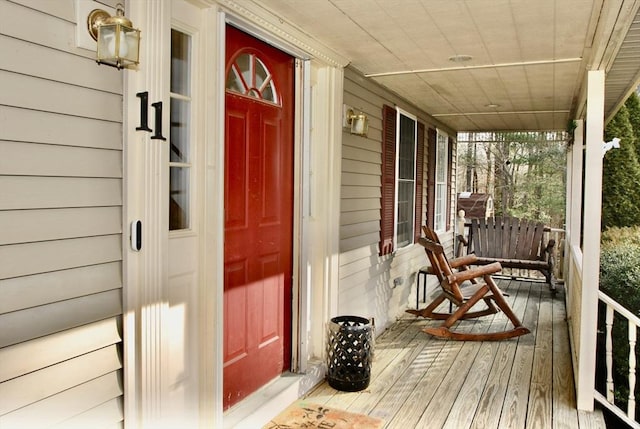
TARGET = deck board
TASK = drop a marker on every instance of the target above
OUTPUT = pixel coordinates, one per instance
(564, 413)
(524, 382)
(487, 413)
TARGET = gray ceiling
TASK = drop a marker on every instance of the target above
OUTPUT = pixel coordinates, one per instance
(528, 57)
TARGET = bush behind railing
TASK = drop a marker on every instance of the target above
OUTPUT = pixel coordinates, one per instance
(619, 279)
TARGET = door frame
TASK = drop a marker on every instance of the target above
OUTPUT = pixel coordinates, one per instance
(319, 92)
(316, 202)
(300, 145)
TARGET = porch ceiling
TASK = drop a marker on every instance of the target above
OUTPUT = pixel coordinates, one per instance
(528, 58)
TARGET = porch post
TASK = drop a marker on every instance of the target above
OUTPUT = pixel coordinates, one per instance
(574, 202)
(591, 239)
(573, 214)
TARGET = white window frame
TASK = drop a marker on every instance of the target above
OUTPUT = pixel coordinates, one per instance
(399, 113)
(441, 181)
(188, 165)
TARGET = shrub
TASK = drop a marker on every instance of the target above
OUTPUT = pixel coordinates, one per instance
(620, 272)
(620, 279)
(616, 236)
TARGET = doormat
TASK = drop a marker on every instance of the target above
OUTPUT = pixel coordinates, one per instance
(302, 415)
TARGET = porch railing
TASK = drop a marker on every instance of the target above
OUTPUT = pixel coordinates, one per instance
(608, 398)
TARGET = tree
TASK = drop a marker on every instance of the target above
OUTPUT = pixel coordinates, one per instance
(620, 176)
(525, 172)
(633, 107)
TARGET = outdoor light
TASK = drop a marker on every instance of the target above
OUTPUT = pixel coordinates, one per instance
(118, 41)
(460, 58)
(359, 122)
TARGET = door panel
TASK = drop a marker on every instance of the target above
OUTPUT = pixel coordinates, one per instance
(258, 214)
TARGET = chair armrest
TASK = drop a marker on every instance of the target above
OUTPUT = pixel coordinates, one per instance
(463, 260)
(462, 240)
(547, 252)
(475, 272)
(462, 243)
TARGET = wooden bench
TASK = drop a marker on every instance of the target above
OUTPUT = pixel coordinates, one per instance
(513, 242)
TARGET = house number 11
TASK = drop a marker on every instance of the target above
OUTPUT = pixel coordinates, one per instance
(144, 113)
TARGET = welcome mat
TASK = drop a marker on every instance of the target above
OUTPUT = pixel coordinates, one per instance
(302, 415)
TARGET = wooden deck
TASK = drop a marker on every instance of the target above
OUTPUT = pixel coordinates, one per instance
(422, 382)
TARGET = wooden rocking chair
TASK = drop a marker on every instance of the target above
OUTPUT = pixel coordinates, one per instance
(465, 297)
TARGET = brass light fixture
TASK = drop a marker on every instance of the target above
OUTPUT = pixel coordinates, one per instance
(359, 122)
(118, 41)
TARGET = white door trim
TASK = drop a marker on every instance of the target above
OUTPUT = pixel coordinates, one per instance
(318, 156)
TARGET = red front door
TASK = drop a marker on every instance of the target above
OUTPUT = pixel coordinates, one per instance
(258, 214)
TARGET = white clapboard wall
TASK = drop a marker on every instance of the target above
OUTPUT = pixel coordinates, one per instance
(60, 224)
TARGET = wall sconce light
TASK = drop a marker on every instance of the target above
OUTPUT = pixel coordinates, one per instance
(359, 122)
(118, 41)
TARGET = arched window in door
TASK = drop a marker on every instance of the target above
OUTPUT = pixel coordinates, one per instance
(250, 76)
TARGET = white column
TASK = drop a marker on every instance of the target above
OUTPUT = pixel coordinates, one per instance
(574, 198)
(573, 220)
(591, 240)
(146, 199)
(323, 212)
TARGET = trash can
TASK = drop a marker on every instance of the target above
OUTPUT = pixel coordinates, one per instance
(349, 353)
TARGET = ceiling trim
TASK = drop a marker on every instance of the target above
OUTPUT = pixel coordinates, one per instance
(512, 112)
(477, 67)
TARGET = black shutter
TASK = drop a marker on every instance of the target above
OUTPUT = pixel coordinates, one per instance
(431, 176)
(387, 200)
(419, 182)
(449, 182)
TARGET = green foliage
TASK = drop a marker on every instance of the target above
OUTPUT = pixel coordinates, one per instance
(615, 236)
(523, 171)
(620, 270)
(633, 108)
(620, 176)
(541, 188)
(620, 279)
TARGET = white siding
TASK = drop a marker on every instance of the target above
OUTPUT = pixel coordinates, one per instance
(366, 279)
(60, 223)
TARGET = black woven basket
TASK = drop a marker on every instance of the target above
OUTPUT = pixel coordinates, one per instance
(349, 353)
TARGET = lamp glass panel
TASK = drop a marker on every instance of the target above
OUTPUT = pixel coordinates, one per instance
(360, 125)
(107, 42)
(130, 37)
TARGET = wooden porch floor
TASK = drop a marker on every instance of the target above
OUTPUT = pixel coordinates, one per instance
(419, 381)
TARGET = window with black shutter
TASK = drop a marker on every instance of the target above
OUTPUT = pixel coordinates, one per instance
(439, 183)
(402, 179)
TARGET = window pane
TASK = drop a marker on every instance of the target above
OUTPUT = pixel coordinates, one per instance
(441, 161)
(441, 200)
(179, 132)
(441, 203)
(407, 148)
(406, 161)
(180, 63)
(250, 76)
(234, 83)
(405, 212)
(178, 198)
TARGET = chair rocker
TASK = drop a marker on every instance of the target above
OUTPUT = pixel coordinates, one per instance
(462, 263)
(465, 297)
